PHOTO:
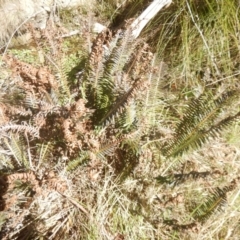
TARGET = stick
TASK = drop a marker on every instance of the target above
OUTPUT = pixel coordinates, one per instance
(147, 15)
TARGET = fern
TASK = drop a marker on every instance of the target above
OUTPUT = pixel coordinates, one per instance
(105, 150)
(122, 102)
(215, 202)
(199, 122)
(43, 153)
(103, 90)
(15, 146)
(128, 117)
(32, 131)
(64, 85)
(72, 165)
(5, 159)
(120, 55)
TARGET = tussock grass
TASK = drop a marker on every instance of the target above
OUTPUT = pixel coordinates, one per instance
(199, 41)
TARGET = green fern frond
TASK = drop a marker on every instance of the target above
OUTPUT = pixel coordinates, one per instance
(103, 91)
(199, 123)
(215, 202)
(106, 150)
(129, 116)
(120, 54)
(15, 145)
(44, 151)
(156, 94)
(5, 160)
(224, 123)
(72, 165)
(25, 188)
(62, 78)
(122, 102)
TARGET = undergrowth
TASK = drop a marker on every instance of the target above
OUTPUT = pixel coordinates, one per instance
(136, 139)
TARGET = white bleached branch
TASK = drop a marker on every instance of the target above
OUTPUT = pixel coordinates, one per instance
(147, 15)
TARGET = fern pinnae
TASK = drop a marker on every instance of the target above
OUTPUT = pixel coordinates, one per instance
(6, 161)
(122, 101)
(94, 67)
(15, 146)
(105, 150)
(31, 130)
(198, 124)
(31, 101)
(62, 79)
(153, 106)
(43, 153)
(118, 57)
(120, 54)
(106, 83)
(129, 115)
(215, 202)
(73, 164)
(177, 179)
(216, 129)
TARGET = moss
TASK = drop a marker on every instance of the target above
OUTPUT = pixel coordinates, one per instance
(26, 55)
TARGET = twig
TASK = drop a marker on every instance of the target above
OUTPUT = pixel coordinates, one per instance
(75, 203)
(221, 79)
(72, 33)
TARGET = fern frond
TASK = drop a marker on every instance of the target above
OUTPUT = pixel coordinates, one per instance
(129, 116)
(154, 98)
(5, 159)
(19, 111)
(219, 126)
(94, 67)
(199, 123)
(10, 127)
(99, 54)
(64, 89)
(72, 165)
(48, 104)
(120, 55)
(123, 100)
(102, 91)
(31, 101)
(106, 150)
(215, 202)
(44, 151)
(16, 147)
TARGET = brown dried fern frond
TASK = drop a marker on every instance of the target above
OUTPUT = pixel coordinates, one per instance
(34, 79)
